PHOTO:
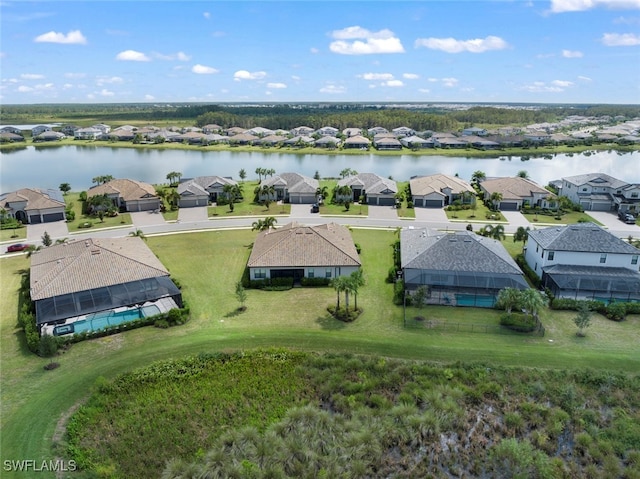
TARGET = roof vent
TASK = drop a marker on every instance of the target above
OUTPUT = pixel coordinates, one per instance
(95, 251)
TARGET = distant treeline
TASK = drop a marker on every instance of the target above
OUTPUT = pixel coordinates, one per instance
(288, 116)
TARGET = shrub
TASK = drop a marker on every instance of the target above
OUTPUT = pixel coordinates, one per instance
(315, 282)
(161, 323)
(391, 275)
(526, 269)
(398, 293)
(358, 247)
(616, 311)
(343, 314)
(519, 322)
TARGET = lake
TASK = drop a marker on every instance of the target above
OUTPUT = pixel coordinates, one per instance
(49, 166)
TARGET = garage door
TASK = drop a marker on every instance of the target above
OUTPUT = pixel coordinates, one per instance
(433, 203)
(384, 201)
(308, 200)
(52, 217)
(600, 207)
(417, 202)
(508, 206)
(188, 203)
(35, 219)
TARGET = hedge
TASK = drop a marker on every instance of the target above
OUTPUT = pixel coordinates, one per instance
(315, 281)
(519, 322)
(616, 311)
(533, 277)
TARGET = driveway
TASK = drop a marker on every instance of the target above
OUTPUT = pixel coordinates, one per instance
(381, 212)
(146, 218)
(301, 211)
(56, 229)
(611, 222)
(431, 215)
(197, 213)
(516, 219)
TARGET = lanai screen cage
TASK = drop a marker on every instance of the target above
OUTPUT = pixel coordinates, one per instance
(592, 282)
(59, 308)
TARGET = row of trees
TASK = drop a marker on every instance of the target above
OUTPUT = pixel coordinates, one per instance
(348, 285)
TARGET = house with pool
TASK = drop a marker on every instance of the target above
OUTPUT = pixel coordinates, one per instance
(457, 269)
(90, 284)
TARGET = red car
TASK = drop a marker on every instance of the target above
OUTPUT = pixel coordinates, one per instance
(17, 247)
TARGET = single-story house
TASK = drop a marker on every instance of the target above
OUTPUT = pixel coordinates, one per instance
(31, 205)
(49, 135)
(584, 261)
(517, 192)
(128, 195)
(105, 129)
(297, 251)
(235, 130)
(403, 131)
(375, 189)
(260, 131)
(458, 269)
(301, 140)
(292, 188)
(302, 131)
(39, 129)
(351, 132)
(327, 131)
(417, 142)
(327, 142)
(449, 142)
(122, 134)
(11, 129)
(437, 191)
(357, 141)
(211, 128)
(7, 136)
(201, 190)
(216, 138)
(242, 139)
(376, 130)
(271, 140)
(474, 131)
(385, 143)
(90, 284)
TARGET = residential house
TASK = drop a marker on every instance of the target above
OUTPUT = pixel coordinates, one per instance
(416, 142)
(584, 261)
(601, 192)
(32, 205)
(300, 141)
(327, 142)
(87, 133)
(458, 269)
(375, 189)
(87, 285)
(191, 137)
(352, 132)
(214, 138)
(260, 131)
(437, 191)
(297, 251)
(123, 134)
(403, 131)
(376, 130)
(385, 143)
(37, 130)
(211, 128)
(105, 129)
(11, 129)
(271, 140)
(449, 142)
(235, 130)
(49, 135)
(474, 131)
(357, 141)
(327, 131)
(302, 131)
(128, 195)
(8, 137)
(292, 188)
(537, 136)
(517, 193)
(201, 190)
(242, 139)
(69, 130)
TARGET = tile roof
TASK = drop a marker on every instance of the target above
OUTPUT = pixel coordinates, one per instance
(513, 188)
(36, 199)
(372, 183)
(295, 182)
(199, 184)
(127, 189)
(462, 251)
(295, 245)
(595, 179)
(423, 185)
(581, 237)
(94, 263)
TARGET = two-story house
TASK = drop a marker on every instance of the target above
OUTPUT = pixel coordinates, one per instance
(584, 261)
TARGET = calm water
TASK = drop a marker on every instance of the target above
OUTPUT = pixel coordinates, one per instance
(48, 167)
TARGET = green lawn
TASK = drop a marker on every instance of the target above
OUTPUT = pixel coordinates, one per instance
(72, 199)
(34, 400)
(13, 235)
(480, 214)
(566, 218)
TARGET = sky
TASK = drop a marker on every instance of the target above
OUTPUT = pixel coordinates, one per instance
(546, 51)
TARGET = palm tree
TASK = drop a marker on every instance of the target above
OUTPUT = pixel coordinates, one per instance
(343, 192)
(478, 176)
(532, 302)
(174, 177)
(260, 172)
(497, 232)
(339, 286)
(32, 249)
(521, 234)
(495, 198)
(261, 225)
(257, 225)
(523, 174)
(242, 174)
(322, 191)
(357, 281)
(508, 298)
(267, 191)
(138, 234)
(270, 171)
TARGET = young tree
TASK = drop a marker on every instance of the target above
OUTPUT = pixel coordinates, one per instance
(357, 281)
(532, 302)
(478, 176)
(242, 174)
(523, 174)
(495, 199)
(65, 188)
(583, 319)
(138, 234)
(241, 295)
(316, 176)
(339, 286)
(419, 298)
(48, 346)
(521, 234)
(46, 239)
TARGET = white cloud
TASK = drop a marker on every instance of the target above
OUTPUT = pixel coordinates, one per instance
(203, 70)
(73, 37)
(67, 86)
(24, 89)
(295, 78)
(376, 76)
(432, 80)
(132, 56)
(149, 97)
(3, 55)
(583, 78)
(410, 76)
(562, 83)
(451, 45)
(100, 81)
(333, 89)
(559, 6)
(31, 76)
(276, 85)
(627, 21)
(360, 41)
(556, 86)
(620, 39)
(246, 75)
(572, 54)
(393, 83)
(45, 86)
(105, 92)
(314, 50)
(180, 56)
(424, 90)
(449, 82)
(75, 75)
(206, 15)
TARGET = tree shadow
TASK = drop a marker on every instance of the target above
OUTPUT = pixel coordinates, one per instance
(329, 323)
(236, 312)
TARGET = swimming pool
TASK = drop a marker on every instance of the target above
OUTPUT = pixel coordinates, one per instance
(103, 319)
(475, 300)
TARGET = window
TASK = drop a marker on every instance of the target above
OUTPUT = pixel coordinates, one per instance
(603, 258)
(260, 273)
(311, 273)
(327, 273)
(634, 259)
(634, 194)
(551, 255)
(535, 268)
(537, 248)
(584, 189)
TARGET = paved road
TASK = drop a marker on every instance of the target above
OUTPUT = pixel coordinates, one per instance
(425, 217)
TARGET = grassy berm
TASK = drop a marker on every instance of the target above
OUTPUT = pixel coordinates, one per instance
(281, 413)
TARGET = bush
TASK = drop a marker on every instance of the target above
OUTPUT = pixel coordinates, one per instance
(391, 275)
(519, 322)
(616, 311)
(526, 269)
(358, 247)
(315, 282)
(398, 293)
(343, 314)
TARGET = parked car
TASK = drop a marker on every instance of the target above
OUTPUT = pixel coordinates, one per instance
(17, 247)
(626, 217)
(315, 208)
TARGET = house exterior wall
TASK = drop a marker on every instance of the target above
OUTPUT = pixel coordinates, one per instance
(329, 272)
(538, 258)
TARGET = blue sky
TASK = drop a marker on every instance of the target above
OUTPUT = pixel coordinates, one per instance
(548, 51)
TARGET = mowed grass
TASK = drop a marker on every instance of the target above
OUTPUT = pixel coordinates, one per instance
(571, 217)
(72, 200)
(208, 265)
(13, 235)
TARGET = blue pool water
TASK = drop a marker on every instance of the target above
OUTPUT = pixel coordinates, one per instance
(103, 319)
(475, 300)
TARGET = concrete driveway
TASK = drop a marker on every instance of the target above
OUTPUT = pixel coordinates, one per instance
(146, 218)
(516, 219)
(301, 211)
(381, 212)
(197, 213)
(611, 222)
(431, 214)
(56, 229)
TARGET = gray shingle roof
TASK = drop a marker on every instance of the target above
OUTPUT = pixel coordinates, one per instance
(94, 263)
(581, 237)
(423, 185)
(295, 182)
(372, 183)
(595, 179)
(304, 246)
(462, 251)
(202, 183)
